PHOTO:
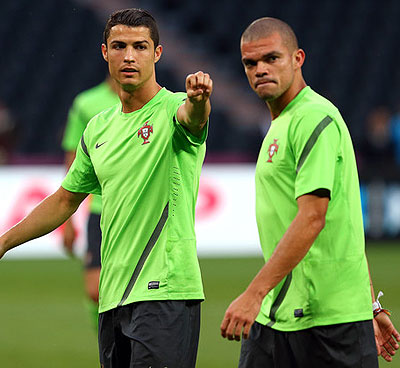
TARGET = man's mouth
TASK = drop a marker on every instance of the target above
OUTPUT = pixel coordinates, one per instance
(129, 70)
(263, 82)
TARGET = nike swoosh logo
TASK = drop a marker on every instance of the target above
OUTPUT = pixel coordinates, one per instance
(99, 145)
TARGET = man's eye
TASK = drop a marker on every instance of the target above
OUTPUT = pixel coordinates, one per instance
(140, 47)
(249, 64)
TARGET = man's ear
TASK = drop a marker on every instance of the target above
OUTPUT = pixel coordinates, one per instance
(104, 51)
(157, 53)
(299, 58)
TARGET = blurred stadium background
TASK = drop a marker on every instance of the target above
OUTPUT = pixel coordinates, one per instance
(51, 52)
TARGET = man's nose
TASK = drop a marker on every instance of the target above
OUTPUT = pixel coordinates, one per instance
(130, 54)
(262, 69)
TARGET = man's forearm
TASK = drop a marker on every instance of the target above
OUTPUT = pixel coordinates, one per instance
(292, 248)
(195, 115)
(198, 113)
(47, 216)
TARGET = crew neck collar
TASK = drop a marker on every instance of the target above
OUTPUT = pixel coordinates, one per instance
(296, 99)
(155, 98)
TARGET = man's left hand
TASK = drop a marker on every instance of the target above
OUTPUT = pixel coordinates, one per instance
(386, 336)
(198, 87)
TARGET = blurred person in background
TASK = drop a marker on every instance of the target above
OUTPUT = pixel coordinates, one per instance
(144, 157)
(377, 148)
(377, 166)
(85, 106)
(312, 304)
(395, 132)
(8, 133)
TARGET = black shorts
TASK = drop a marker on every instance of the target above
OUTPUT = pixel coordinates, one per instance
(92, 257)
(154, 334)
(347, 345)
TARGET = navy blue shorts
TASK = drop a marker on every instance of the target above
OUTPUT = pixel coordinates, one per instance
(346, 345)
(92, 256)
(154, 334)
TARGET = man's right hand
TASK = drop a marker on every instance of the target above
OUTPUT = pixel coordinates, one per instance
(240, 316)
(69, 236)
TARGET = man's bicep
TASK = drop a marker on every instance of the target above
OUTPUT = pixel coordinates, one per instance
(313, 204)
(73, 198)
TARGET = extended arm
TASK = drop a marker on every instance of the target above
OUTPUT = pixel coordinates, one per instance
(292, 248)
(45, 217)
(194, 113)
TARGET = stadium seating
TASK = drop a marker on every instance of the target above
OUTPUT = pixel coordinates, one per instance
(50, 52)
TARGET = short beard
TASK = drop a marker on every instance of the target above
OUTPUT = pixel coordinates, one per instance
(129, 87)
(268, 98)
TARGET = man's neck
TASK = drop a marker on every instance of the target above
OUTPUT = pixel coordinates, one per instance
(113, 84)
(278, 105)
(136, 99)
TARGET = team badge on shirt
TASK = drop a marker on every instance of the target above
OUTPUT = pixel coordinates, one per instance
(272, 149)
(145, 132)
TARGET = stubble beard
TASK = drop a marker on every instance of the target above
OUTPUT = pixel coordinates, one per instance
(127, 87)
(269, 97)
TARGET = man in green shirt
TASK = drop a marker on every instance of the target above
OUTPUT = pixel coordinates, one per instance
(144, 157)
(85, 106)
(310, 305)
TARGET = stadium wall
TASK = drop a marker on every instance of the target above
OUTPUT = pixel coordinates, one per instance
(225, 212)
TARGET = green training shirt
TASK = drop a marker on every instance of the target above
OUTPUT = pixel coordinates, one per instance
(146, 167)
(308, 147)
(86, 105)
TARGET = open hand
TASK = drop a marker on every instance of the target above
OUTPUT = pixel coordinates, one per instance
(386, 336)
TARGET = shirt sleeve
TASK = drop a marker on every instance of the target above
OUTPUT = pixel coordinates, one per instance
(81, 176)
(76, 124)
(316, 147)
(192, 139)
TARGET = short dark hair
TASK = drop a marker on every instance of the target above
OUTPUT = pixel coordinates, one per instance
(133, 17)
(264, 27)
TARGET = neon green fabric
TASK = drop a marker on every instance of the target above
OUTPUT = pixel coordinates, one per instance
(146, 167)
(86, 105)
(308, 147)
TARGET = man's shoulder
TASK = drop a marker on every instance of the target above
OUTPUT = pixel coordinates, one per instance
(315, 104)
(314, 112)
(170, 96)
(314, 109)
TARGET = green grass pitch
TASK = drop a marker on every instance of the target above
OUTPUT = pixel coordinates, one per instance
(43, 321)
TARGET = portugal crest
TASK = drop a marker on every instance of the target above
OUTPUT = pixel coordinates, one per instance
(145, 132)
(272, 149)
